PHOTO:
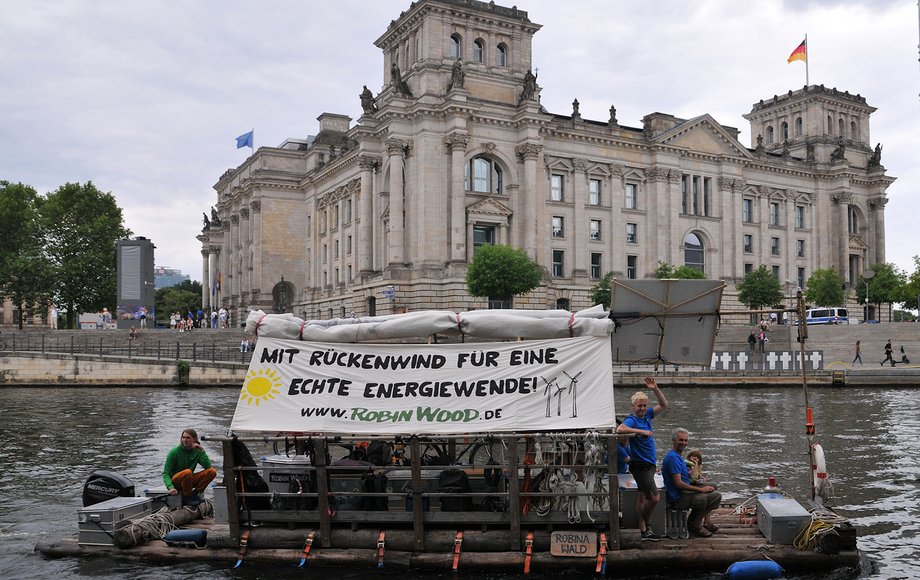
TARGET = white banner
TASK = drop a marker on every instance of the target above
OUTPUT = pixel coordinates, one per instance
(404, 389)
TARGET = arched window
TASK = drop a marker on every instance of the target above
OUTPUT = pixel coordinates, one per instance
(853, 220)
(784, 131)
(455, 46)
(842, 127)
(371, 306)
(501, 55)
(478, 51)
(798, 126)
(693, 252)
(854, 131)
(830, 125)
(482, 175)
(769, 134)
(562, 303)
(282, 297)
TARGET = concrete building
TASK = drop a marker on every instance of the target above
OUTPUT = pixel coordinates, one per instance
(166, 277)
(455, 151)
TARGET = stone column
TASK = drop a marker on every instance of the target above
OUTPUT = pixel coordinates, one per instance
(234, 257)
(877, 207)
(205, 287)
(655, 241)
(365, 241)
(457, 144)
(255, 226)
(616, 232)
(396, 148)
(213, 266)
(245, 281)
(842, 199)
(529, 152)
(763, 219)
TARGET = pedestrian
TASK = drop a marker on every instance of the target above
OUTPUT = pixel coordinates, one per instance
(132, 334)
(752, 340)
(643, 457)
(53, 315)
(763, 340)
(858, 356)
(888, 352)
(143, 316)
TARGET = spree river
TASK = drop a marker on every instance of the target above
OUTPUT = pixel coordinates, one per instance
(51, 439)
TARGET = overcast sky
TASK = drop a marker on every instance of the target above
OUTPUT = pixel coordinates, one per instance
(145, 98)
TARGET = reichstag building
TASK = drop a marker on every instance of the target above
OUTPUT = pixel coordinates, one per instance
(383, 214)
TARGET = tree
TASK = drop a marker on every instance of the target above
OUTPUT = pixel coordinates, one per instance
(25, 273)
(760, 288)
(910, 292)
(600, 292)
(824, 288)
(685, 272)
(501, 272)
(885, 287)
(180, 298)
(81, 226)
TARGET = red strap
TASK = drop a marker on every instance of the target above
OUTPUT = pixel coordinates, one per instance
(380, 548)
(259, 323)
(308, 544)
(602, 556)
(330, 505)
(244, 540)
(528, 552)
(300, 335)
(571, 325)
(457, 543)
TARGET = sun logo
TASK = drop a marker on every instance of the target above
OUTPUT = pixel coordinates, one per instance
(260, 386)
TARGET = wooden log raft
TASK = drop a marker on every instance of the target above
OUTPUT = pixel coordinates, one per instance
(138, 533)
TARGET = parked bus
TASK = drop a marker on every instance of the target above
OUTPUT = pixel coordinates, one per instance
(825, 315)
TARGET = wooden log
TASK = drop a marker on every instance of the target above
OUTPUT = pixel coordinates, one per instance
(133, 534)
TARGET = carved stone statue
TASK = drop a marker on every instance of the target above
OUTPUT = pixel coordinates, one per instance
(368, 103)
(613, 116)
(399, 85)
(759, 148)
(457, 76)
(575, 112)
(810, 152)
(530, 87)
(838, 153)
(207, 222)
(786, 153)
(876, 159)
(214, 219)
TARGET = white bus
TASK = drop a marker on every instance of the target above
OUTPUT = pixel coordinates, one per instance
(826, 315)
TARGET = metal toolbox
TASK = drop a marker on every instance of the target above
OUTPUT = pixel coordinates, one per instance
(97, 522)
(779, 518)
(160, 496)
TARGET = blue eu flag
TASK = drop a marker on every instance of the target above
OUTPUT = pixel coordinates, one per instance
(244, 140)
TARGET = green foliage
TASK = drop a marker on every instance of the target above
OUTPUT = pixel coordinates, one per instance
(600, 292)
(824, 288)
(81, 226)
(665, 270)
(183, 371)
(760, 288)
(910, 292)
(25, 273)
(904, 316)
(501, 272)
(169, 300)
(886, 286)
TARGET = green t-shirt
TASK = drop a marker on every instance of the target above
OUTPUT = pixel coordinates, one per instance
(179, 458)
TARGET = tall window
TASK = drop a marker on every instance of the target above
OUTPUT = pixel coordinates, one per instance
(747, 211)
(841, 127)
(774, 214)
(322, 221)
(784, 130)
(483, 176)
(595, 229)
(558, 263)
(309, 224)
(800, 217)
(748, 268)
(594, 192)
(800, 248)
(483, 235)
(853, 219)
(335, 251)
(455, 46)
(685, 194)
(556, 187)
(596, 265)
(632, 201)
(776, 272)
(478, 52)
(748, 244)
(348, 246)
(800, 277)
(693, 252)
(335, 217)
(774, 246)
(631, 266)
(695, 194)
(558, 223)
(501, 55)
(769, 134)
(347, 211)
(631, 236)
(854, 131)
(830, 125)
(798, 126)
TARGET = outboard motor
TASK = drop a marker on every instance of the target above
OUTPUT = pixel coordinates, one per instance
(104, 485)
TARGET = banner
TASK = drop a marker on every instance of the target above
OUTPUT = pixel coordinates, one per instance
(405, 389)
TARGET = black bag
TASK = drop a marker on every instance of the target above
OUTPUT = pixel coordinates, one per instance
(299, 484)
(248, 481)
(380, 453)
(374, 483)
(454, 481)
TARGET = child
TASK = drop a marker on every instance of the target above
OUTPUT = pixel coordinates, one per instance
(695, 467)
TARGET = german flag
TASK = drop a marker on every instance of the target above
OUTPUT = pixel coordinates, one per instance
(800, 53)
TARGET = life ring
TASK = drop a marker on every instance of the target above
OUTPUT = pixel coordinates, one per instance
(819, 469)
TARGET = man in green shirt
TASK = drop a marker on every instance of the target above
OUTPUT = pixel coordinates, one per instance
(179, 471)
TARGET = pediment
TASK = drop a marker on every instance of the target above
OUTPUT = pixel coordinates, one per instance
(703, 135)
(857, 244)
(489, 207)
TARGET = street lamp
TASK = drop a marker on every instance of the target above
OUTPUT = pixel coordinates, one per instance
(282, 307)
(867, 275)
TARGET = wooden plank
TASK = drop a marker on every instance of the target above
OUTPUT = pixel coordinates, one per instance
(613, 489)
(322, 490)
(233, 509)
(418, 507)
(514, 490)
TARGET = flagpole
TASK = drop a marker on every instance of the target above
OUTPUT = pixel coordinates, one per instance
(806, 59)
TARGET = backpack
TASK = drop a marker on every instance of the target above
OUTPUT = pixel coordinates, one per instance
(374, 483)
(380, 453)
(248, 481)
(454, 481)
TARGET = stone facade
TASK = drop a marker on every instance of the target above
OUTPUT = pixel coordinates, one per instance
(384, 214)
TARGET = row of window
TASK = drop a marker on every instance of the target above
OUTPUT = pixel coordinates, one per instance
(324, 218)
(800, 273)
(748, 244)
(747, 213)
(337, 279)
(335, 250)
(557, 226)
(479, 50)
(596, 265)
(798, 128)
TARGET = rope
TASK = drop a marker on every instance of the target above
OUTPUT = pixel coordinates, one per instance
(820, 525)
(594, 482)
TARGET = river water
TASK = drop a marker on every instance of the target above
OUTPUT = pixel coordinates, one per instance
(51, 439)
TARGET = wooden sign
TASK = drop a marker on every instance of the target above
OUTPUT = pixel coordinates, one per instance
(573, 543)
